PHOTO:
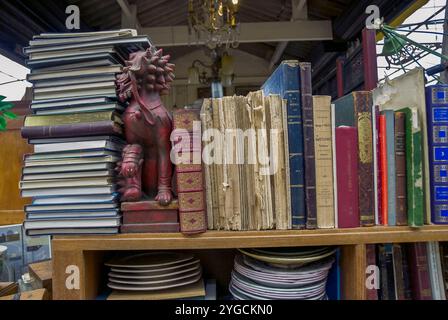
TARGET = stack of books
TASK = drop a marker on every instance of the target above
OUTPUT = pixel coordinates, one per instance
(414, 271)
(76, 130)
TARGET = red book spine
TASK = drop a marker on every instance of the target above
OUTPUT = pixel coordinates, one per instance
(418, 265)
(150, 228)
(378, 173)
(371, 294)
(347, 182)
(189, 176)
(134, 217)
(383, 168)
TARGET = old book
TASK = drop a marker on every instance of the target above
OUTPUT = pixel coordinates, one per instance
(310, 153)
(355, 110)
(376, 163)
(159, 227)
(418, 266)
(58, 183)
(400, 165)
(335, 167)
(262, 183)
(408, 91)
(391, 168)
(37, 121)
(73, 130)
(217, 167)
(206, 122)
(406, 273)
(414, 169)
(363, 112)
(383, 169)
(190, 183)
(347, 177)
(278, 156)
(435, 271)
(151, 216)
(371, 294)
(437, 101)
(323, 161)
(398, 272)
(285, 81)
(84, 72)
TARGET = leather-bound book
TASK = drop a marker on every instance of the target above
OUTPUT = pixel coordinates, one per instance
(391, 170)
(418, 266)
(190, 180)
(398, 272)
(347, 177)
(400, 169)
(406, 273)
(309, 146)
(383, 169)
(150, 228)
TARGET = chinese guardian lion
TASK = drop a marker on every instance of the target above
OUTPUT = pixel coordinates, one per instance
(146, 168)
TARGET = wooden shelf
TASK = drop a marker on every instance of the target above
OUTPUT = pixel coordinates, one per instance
(247, 239)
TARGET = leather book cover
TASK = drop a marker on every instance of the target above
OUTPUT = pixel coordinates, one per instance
(72, 130)
(418, 267)
(377, 164)
(371, 294)
(362, 102)
(135, 217)
(150, 227)
(285, 82)
(190, 176)
(72, 118)
(308, 145)
(398, 272)
(347, 178)
(384, 177)
(147, 206)
(406, 273)
(400, 169)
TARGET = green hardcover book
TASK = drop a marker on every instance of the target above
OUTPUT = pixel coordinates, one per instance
(414, 174)
(345, 111)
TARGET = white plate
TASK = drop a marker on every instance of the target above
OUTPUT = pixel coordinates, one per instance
(154, 275)
(149, 260)
(156, 282)
(153, 288)
(158, 270)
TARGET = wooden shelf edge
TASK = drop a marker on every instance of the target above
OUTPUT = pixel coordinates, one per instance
(247, 239)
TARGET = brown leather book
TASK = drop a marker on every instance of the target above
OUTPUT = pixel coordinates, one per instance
(419, 272)
(150, 228)
(308, 139)
(150, 216)
(190, 179)
(400, 167)
(363, 113)
(371, 294)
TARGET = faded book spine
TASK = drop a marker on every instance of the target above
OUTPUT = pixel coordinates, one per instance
(363, 113)
(391, 169)
(400, 166)
(383, 169)
(309, 146)
(323, 162)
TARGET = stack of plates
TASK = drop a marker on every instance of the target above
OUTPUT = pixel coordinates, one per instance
(153, 271)
(286, 273)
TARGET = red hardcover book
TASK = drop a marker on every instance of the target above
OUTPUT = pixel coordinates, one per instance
(371, 294)
(347, 181)
(383, 168)
(189, 172)
(378, 164)
(150, 228)
(155, 216)
(419, 272)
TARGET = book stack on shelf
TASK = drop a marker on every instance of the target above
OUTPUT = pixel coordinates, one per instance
(413, 271)
(76, 130)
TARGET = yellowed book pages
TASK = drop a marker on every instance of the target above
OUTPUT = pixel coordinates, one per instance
(215, 176)
(263, 202)
(324, 161)
(408, 91)
(277, 154)
(206, 120)
(287, 169)
(196, 289)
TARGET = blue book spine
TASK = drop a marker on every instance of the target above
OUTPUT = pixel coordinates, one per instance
(437, 117)
(285, 82)
(391, 171)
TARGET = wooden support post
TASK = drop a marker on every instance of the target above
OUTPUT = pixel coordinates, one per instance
(353, 276)
(68, 275)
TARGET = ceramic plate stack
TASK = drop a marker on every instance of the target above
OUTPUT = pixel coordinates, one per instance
(286, 273)
(153, 271)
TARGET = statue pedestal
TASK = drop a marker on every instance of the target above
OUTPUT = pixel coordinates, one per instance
(150, 217)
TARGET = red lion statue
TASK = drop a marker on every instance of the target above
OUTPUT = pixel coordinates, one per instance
(146, 167)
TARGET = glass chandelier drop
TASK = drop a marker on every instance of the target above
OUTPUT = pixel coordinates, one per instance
(214, 22)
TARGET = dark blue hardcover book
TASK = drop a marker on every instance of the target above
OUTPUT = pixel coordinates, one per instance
(437, 117)
(285, 82)
(333, 286)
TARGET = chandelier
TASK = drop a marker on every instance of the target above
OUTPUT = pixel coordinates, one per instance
(214, 22)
